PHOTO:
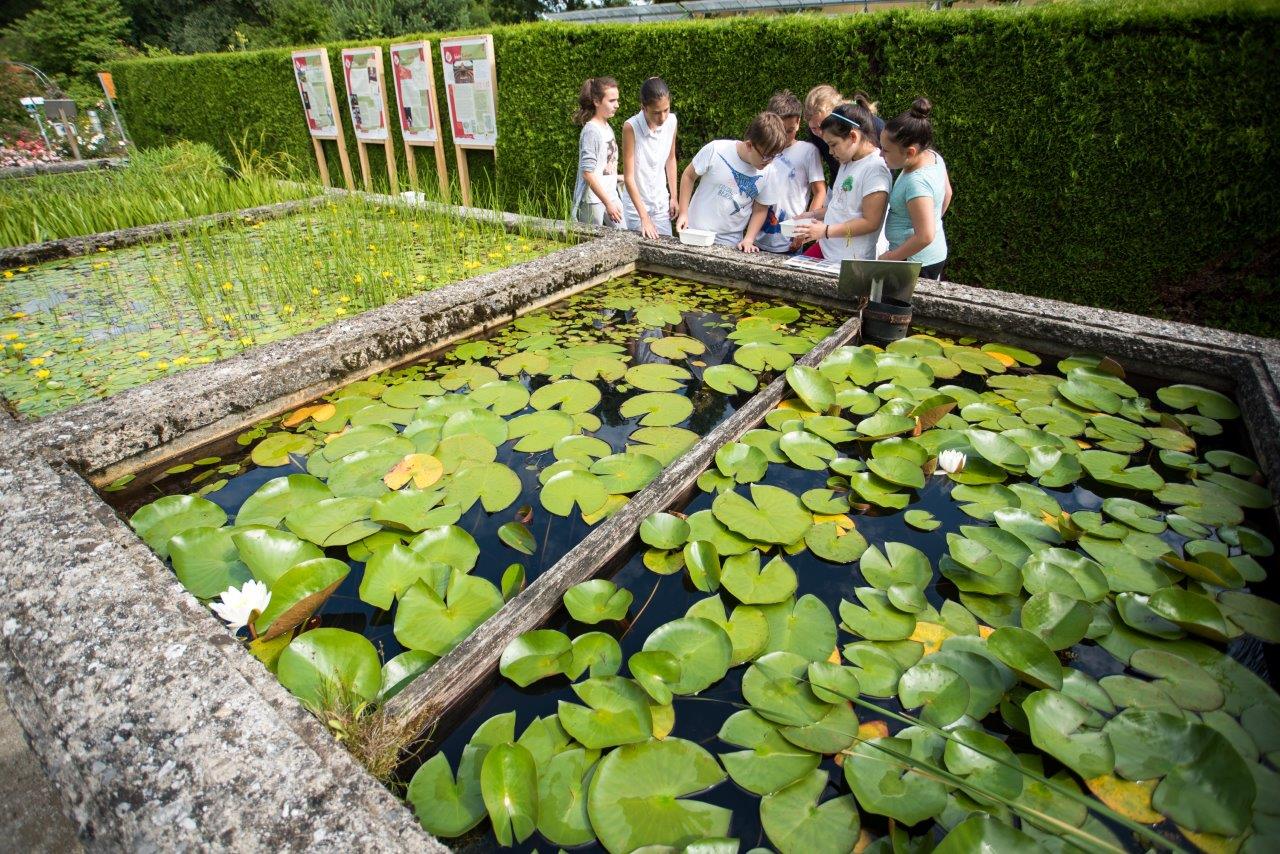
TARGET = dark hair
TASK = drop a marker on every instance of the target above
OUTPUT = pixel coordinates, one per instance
(785, 105)
(847, 118)
(912, 127)
(767, 135)
(593, 89)
(654, 90)
(862, 99)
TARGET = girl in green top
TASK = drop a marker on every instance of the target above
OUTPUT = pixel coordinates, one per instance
(920, 195)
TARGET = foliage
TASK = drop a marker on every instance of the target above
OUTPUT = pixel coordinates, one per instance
(70, 38)
(1051, 193)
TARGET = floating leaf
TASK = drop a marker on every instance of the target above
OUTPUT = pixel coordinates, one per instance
(884, 779)
(657, 408)
(270, 553)
(428, 621)
(797, 824)
(617, 713)
(535, 655)
(1206, 402)
(655, 376)
(772, 515)
(701, 649)
(298, 593)
(276, 448)
(206, 561)
(493, 484)
(729, 379)
(158, 522)
(324, 664)
(518, 537)
(812, 387)
(392, 570)
(597, 600)
(770, 762)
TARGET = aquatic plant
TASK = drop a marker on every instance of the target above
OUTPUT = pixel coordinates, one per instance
(1051, 655)
(90, 327)
(176, 182)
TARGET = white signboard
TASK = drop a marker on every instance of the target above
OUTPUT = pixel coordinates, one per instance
(315, 85)
(470, 81)
(415, 91)
(366, 97)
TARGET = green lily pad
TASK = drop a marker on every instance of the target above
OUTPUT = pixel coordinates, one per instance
(449, 545)
(429, 621)
(769, 762)
(449, 807)
(664, 444)
(1206, 402)
(573, 487)
(921, 520)
(597, 652)
(772, 515)
(807, 450)
(657, 408)
(562, 797)
(776, 687)
(414, 510)
(327, 665)
(1057, 727)
(804, 627)
(596, 601)
(1026, 654)
(539, 431)
(536, 655)
(272, 501)
(797, 824)
(392, 570)
(617, 712)
(744, 463)
(985, 833)
(637, 796)
(276, 448)
(493, 484)
(333, 521)
(729, 379)
(518, 536)
(742, 576)
(158, 522)
(812, 387)
(206, 561)
(833, 543)
(703, 562)
(298, 593)
(658, 377)
(882, 776)
(701, 649)
(760, 357)
(622, 474)
(270, 553)
(569, 396)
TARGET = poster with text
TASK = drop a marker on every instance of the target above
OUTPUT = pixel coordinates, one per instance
(311, 68)
(470, 81)
(415, 91)
(366, 97)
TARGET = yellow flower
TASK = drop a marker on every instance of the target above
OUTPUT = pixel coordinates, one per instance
(199, 266)
(317, 265)
(257, 225)
(373, 248)
(18, 315)
(208, 318)
(155, 280)
(265, 268)
(339, 311)
(8, 274)
(344, 298)
(37, 361)
(182, 360)
(227, 286)
(23, 269)
(315, 292)
(102, 249)
(10, 336)
(506, 248)
(42, 374)
(163, 366)
(19, 346)
(420, 278)
(288, 309)
(229, 318)
(246, 340)
(386, 274)
(79, 339)
(143, 354)
(357, 278)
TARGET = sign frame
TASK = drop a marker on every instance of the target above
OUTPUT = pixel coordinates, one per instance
(431, 137)
(299, 61)
(452, 63)
(374, 86)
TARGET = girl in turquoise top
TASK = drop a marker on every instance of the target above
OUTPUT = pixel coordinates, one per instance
(920, 195)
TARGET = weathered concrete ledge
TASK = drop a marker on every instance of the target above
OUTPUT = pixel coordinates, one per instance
(71, 247)
(157, 729)
(62, 167)
(104, 438)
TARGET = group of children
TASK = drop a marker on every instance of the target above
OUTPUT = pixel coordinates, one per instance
(747, 189)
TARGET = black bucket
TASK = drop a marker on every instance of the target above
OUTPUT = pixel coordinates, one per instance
(886, 321)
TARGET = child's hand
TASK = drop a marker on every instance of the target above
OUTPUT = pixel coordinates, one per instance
(614, 210)
(682, 222)
(809, 230)
(796, 244)
(647, 227)
(806, 215)
(673, 208)
(748, 245)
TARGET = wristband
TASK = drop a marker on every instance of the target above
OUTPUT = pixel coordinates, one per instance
(826, 231)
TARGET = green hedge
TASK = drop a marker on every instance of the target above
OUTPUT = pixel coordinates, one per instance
(1118, 156)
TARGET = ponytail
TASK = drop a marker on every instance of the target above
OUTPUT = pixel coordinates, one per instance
(654, 90)
(862, 99)
(593, 90)
(913, 127)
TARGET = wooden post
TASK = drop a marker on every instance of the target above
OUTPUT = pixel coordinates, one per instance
(70, 129)
(321, 162)
(390, 149)
(411, 166)
(364, 166)
(442, 171)
(464, 176)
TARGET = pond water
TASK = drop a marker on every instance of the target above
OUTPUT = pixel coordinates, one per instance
(591, 396)
(1072, 560)
(91, 326)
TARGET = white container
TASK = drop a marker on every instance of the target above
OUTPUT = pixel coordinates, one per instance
(788, 227)
(697, 237)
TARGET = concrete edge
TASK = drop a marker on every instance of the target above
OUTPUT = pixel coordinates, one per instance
(62, 167)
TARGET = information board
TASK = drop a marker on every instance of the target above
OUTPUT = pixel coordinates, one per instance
(470, 81)
(315, 85)
(415, 91)
(366, 96)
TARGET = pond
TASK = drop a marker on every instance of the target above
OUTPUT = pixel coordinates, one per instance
(406, 507)
(1062, 638)
(89, 327)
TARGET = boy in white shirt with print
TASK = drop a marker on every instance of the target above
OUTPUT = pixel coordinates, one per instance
(798, 184)
(730, 177)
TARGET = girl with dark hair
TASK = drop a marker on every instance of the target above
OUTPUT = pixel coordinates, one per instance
(595, 193)
(920, 195)
(649, 162)
(848, 227)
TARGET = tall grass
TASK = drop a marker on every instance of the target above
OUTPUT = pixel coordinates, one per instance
(177, 182)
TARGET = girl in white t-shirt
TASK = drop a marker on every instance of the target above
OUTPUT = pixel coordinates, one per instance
(799, 183)
(595, 193)
(854, 216)
(649, 162)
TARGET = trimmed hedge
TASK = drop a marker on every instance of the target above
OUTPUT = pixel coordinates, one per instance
(1118, 156)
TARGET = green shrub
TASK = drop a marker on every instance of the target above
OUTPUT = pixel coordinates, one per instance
(1101, 154)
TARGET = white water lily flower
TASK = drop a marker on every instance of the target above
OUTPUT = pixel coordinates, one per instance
(240, 607)
(951, 461)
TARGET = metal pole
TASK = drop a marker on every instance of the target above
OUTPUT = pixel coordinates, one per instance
(124, 139)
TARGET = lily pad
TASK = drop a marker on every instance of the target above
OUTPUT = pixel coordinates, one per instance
(700, 647)
(326, 666)
(797, 824)
(617, 712)
(428, 621)
(772, 515)
(597, 600)
(730, 379)
(657, 408)
(157, 523)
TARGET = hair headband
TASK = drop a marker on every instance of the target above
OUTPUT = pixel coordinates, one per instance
(845, 118)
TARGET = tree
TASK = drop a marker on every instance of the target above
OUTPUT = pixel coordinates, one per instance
(70, 38)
